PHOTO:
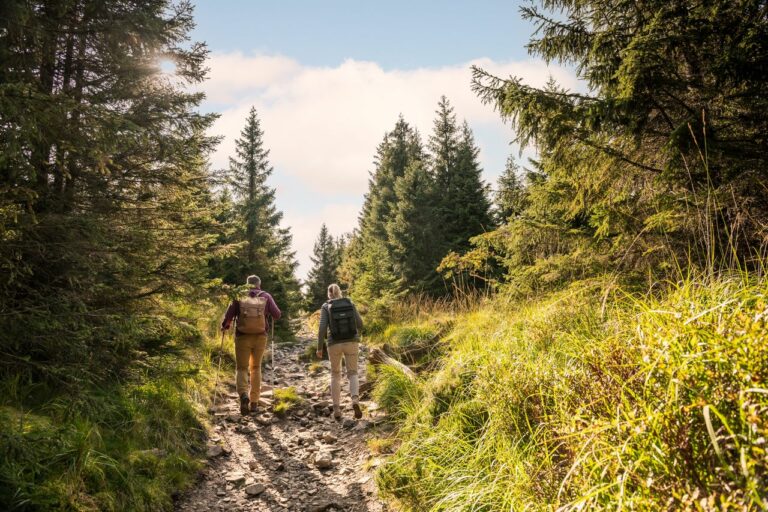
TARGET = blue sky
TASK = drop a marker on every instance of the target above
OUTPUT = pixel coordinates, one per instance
(329, 78)
(395, 34)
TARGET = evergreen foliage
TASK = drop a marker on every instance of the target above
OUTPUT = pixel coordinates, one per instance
(256, 243)
(395, 153)
(325, 268)
(420, 205)
(368, 265)
(106, 220)
(510, 197)
(104, 200)
(463, 207)
(412, 229)
(664, 160)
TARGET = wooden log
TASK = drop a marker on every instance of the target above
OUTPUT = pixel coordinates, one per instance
(365, 388)
(411, 354)
(379, 357)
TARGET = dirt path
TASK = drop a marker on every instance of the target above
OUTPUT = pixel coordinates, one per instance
(266, 463)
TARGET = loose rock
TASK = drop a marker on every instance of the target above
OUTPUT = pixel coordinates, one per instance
(235, 477)
(296, 464)
(255, 489)
(214, 450)
(323, 460)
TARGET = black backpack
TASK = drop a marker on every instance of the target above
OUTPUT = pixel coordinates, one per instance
(342, 319)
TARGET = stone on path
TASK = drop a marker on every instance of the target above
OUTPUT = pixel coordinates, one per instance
(362, 425)
(322, 506)
(323, 460)
(214, 450)
(235, 477)
(255, 489)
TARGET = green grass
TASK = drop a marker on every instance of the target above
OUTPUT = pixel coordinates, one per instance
(591, 400)
(285, 400)
(114, 446)
(381, 445)
(403, 335)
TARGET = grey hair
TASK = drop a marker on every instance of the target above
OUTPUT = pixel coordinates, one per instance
(253, 280)
(334, 292)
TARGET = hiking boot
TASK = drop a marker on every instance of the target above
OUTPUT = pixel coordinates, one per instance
(254, 407)
(337, 413)
(244, 404)
(358, 411)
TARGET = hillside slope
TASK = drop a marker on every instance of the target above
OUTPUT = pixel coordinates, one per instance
(590, 398)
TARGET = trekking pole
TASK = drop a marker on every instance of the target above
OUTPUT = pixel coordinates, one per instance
(273, 352)
(218, 371)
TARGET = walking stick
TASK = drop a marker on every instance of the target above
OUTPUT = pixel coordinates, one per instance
(218, 371)
(273, 352)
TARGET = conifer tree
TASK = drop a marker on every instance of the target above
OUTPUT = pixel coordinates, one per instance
(510, 197)
(104, 198)
(266, 246)
(469, 195)
(443, 147)
(412, 230)
(394, 154)
(463, 207)
(248, 173)
(325, 270)
(667, 150)
(400, 147)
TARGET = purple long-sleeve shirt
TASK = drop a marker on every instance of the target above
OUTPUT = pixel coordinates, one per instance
(233, 311)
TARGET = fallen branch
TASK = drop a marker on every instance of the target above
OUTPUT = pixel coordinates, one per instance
(379, 357)
(411, 354)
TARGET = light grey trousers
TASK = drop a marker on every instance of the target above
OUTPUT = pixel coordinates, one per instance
(336, 351)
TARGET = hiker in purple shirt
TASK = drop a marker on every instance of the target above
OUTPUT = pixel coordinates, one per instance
(250, 313)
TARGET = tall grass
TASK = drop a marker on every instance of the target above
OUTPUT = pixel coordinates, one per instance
(115, 445)
(580, 401)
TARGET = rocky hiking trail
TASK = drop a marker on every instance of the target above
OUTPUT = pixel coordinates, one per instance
(303, 460)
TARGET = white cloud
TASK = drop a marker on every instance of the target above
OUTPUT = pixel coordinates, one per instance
(322, 124)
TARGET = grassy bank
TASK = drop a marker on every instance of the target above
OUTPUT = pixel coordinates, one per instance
(590, 398)
(125, 444)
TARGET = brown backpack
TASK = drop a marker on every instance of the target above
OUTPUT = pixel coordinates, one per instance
(251, 319)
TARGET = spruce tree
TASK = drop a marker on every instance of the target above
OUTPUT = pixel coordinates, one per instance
(266, 246)
(326, 259)
(469, 194)
(104, 193)
(462, 209)
(443, 147)
(399, 149)
(510, 197)
(666, 152)
(412, 230)
(394, 154)
(248, 173)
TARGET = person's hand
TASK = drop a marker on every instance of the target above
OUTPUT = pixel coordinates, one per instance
(319, 353)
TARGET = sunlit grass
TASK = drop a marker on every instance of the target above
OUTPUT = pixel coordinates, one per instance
(285, 400)
(586, 401)
(115, 445)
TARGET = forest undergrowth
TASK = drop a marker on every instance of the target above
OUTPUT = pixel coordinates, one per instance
(126, 443)
(591, 397)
